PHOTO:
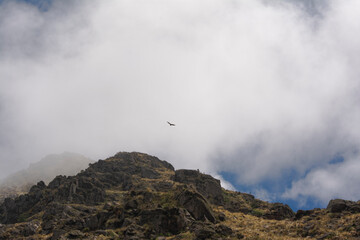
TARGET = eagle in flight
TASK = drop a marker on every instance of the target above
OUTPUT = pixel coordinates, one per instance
(171, 124)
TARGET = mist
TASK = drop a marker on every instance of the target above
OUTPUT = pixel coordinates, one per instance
(267, 90)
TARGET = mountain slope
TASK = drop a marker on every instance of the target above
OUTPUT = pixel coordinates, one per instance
(137, 196)
(45, 170)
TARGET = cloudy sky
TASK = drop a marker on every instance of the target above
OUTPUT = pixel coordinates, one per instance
(264, 93)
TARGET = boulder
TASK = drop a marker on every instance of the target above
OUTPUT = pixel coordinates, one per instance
(279, 211)
(203, 231)
(196, 205)
(340, 205)
(205, 184)
(164, 221)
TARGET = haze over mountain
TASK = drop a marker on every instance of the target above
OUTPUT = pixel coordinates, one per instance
(45, 170)
(264, 93)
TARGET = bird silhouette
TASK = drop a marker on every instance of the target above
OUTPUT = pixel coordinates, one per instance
(171, 124)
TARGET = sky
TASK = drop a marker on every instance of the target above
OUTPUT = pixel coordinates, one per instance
(264, 94)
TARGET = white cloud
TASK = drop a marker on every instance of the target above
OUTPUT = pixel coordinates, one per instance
(264, 195)
(255, 87)
(224, 184)
(332, 181)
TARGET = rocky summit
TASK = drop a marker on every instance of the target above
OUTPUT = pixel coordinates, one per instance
(137, 196)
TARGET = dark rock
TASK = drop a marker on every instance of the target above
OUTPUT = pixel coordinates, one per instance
(131, 204)
(75, 234)
(221, 216)
(301, 213)
(58, 234)
(56, 213)
(203, 231)
(48, 226)
(279, 211)
(239, 236)
(148, 173)
(57, 182)
(223, 230)
(30, 228)
(234, 206)
(134, 231)
(13, 210)
(38, 187)
(205, 184)
(164, 221)
(340, 205)
(163, 186)
(134, 157)
(92, 222)
(196, 205)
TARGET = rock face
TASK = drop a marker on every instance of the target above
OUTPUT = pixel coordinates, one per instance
(279, 211)
(197, 205)
(137, 196)
(340, 205)
(205, 184)
(164, 221)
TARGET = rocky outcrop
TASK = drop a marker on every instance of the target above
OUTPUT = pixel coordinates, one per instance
(197, 205)
(340, 205)
(165, 221)
(279, 211)
(23, 229)
(205, 184)
(137, 196)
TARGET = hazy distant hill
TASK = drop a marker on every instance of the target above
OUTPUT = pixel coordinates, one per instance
(45, 170)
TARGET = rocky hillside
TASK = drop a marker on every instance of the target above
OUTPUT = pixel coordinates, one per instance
(137, 196)
(45, 170)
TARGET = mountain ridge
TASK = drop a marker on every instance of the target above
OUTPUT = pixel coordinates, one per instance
(138, 196)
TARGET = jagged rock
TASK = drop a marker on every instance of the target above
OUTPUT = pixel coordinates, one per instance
(340, 205)
(134, 196)
(196, 205)
(30, 228)
(204, 231)
(134, 231)
(205, 184)
(163, 186)
(279, 211)
(164, 221)
(148, 173)
(24, 230)
(38, 187)
(58, 234)
(57, 182)
(10, 209)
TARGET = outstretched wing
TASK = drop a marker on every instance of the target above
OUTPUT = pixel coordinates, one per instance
(171, 124)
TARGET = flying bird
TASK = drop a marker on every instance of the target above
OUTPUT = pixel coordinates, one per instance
(171, 124)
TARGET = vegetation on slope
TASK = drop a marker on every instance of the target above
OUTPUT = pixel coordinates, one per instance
(137, 196)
